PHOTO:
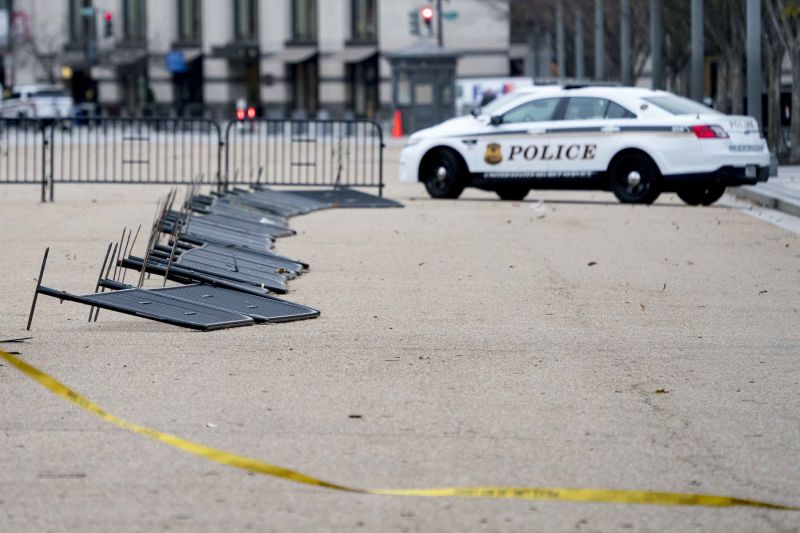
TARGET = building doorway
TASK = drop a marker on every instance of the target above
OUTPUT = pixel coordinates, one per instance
(188, 87)
(82, 87)
(363, 87)
(304, 79)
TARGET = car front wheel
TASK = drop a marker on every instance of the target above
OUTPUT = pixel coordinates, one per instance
(635, 179)
(443, 173)
(702, 194)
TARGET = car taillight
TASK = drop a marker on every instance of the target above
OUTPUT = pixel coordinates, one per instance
(709, 132)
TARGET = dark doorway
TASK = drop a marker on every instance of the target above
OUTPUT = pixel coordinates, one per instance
(363, 88)
(135, 86)
(188, 86)
(305, 86)
(83, 87)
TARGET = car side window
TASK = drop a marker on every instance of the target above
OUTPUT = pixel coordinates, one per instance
(617, 111)
(533, 111)
(585, 108)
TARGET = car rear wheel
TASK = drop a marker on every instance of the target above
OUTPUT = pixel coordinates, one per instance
(443, 173)
(513, 192)
(635, 179)
(702, 194)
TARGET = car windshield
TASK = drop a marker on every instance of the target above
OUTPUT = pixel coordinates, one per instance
(678, 105)
(498, 103)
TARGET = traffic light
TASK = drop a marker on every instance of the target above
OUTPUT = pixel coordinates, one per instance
(413, 22)
(427, 18)
(108, 24)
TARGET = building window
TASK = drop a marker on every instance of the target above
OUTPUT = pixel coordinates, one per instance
(304, 21)
(133, 20)
(245, 20)
(190, 16)
(80, 21)
(364, 21)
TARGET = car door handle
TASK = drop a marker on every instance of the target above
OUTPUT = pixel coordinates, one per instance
(610, 129)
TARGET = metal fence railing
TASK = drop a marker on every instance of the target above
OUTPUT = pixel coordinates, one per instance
(304, 153)
(125, 150)
(23, 148)
(191, 150)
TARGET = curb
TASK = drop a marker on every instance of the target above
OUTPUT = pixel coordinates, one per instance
(765, 199)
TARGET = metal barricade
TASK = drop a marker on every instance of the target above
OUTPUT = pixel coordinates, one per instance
(335, 153)
(136, 151)
(23, 152)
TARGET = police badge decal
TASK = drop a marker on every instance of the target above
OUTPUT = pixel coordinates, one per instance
(494, 154)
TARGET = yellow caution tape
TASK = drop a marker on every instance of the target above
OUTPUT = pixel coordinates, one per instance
(513, 493)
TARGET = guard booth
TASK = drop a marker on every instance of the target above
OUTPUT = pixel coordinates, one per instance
(423, 84)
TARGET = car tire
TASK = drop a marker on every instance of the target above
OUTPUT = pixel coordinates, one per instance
(443, 174)
(635, 179)
(516, 193)
(702, 195)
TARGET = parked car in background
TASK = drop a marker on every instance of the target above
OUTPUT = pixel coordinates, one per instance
(44, 102)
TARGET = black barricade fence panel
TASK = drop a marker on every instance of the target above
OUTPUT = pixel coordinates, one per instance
(304, 153)
(22, 151)
(140, 150)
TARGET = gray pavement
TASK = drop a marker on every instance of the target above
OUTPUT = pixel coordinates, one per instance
(473, 339)
(781, 193)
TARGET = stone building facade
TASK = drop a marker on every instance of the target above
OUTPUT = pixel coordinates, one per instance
(283, 57)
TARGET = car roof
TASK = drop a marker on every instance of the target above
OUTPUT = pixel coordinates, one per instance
(588, 90)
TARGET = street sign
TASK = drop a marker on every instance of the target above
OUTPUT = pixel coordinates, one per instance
(450, 15)
(175, 62)
(87, 11)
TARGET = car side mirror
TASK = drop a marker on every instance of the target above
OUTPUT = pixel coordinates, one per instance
(496, 120)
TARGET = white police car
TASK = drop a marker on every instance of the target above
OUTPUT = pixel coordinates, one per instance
(635, 142)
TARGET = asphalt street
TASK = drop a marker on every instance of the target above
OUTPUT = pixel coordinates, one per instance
(566, 340)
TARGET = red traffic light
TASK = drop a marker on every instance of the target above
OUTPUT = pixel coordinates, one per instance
(427, 14)
(240, 114)
(251, 113)
(108, 16)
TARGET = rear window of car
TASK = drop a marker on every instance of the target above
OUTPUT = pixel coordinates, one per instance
(588, 108)
(678, 105)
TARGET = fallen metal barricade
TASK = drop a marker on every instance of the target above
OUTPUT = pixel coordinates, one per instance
(224, 261)
(135, 151)
(148, 304)
(327, 153)
(23, 153)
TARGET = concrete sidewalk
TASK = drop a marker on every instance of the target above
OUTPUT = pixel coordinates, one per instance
(781, 193)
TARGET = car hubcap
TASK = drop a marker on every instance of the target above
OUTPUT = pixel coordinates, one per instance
(634, 179)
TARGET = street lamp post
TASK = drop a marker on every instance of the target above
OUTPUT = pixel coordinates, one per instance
(580, 70)
(656, 44)
(599, 41)
(561, 48)
(754, 60)
(625, 43)
(698, 50)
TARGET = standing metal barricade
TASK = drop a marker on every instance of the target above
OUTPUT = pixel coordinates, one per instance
(136, 151)
(23, 148)
(335, 153)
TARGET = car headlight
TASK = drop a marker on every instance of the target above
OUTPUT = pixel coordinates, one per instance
(413, 140)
